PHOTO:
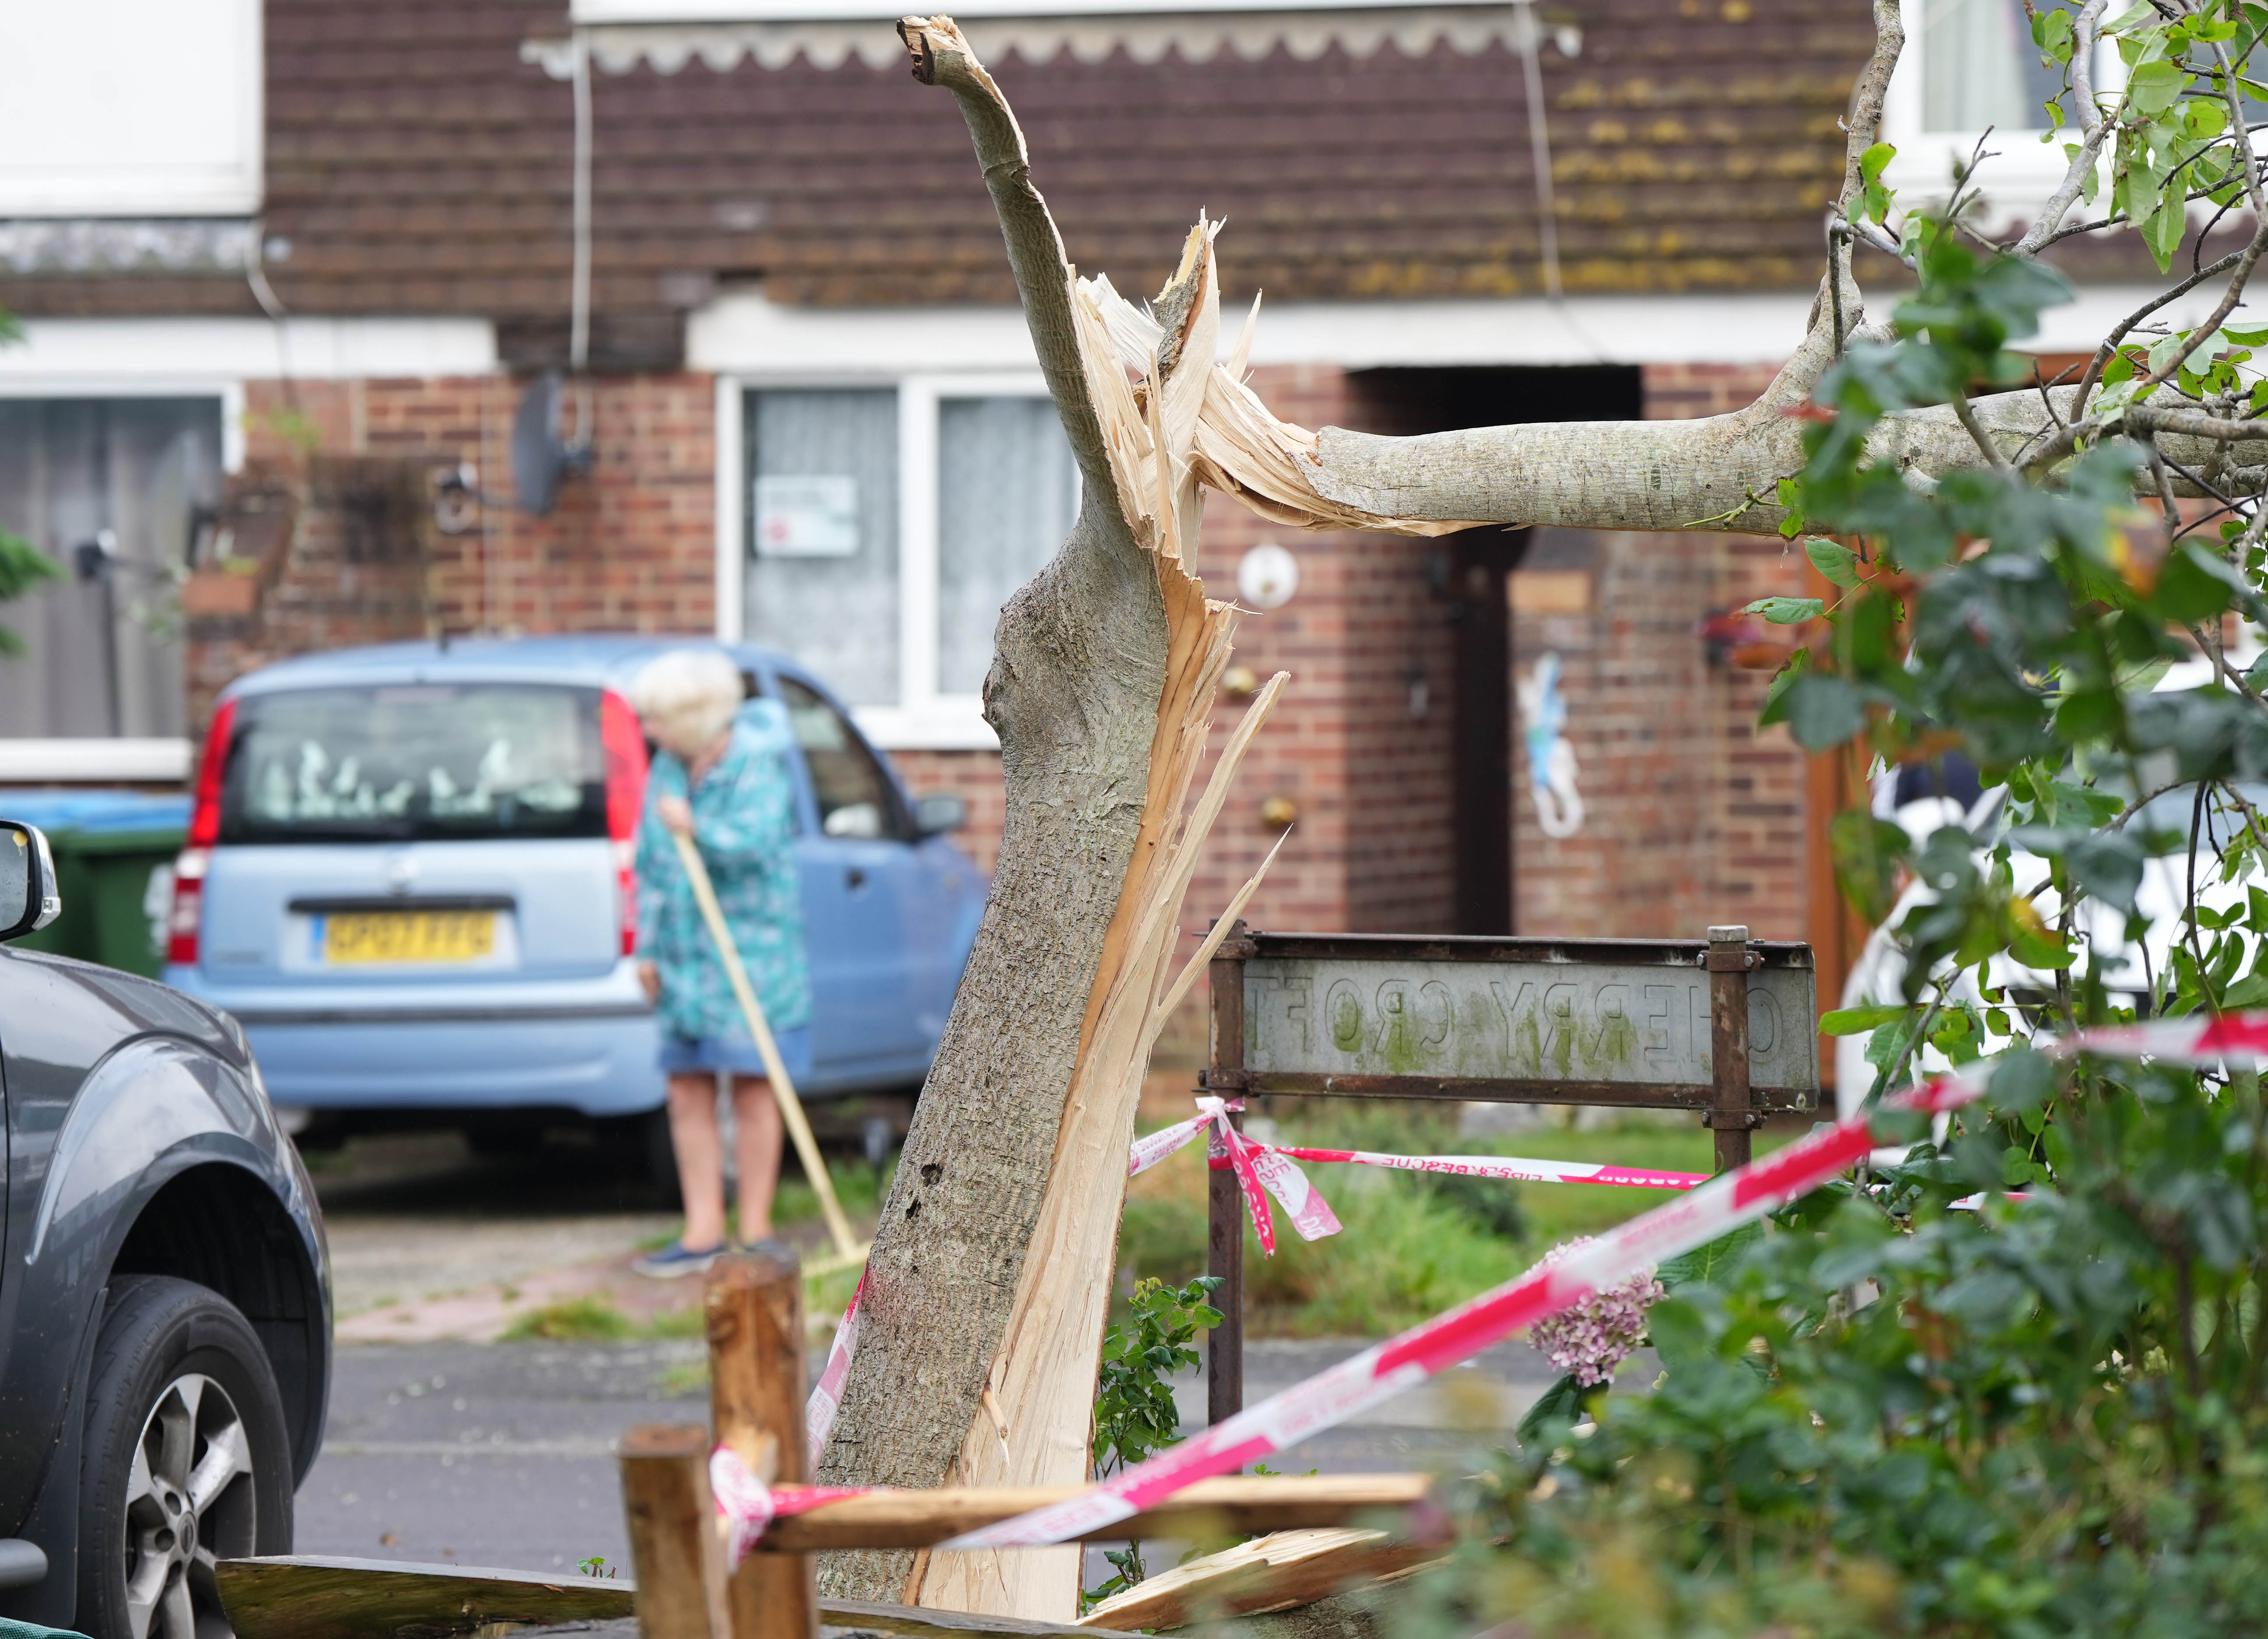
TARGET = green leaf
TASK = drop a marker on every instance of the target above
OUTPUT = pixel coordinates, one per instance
(1823, 710)
(1836, 561)
(1875, 198)
(2108, 865)
(1787, 611)
(1561, 1403)
(2196, 584)
(1866, 853)
(1852, 1021)
(1705, 1262)
(2153, 87)
(2162, 231)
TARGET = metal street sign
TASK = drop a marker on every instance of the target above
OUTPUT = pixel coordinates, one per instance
(1727, 1026)
(1553, 1021)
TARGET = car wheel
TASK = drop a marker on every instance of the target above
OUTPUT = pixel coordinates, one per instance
(186, 1461)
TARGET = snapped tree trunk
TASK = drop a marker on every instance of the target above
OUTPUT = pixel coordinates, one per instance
(976, 1362)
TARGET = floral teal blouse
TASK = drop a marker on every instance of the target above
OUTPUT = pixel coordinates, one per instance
(744, 823)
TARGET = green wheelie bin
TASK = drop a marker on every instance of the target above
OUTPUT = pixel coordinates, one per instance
(115, 853)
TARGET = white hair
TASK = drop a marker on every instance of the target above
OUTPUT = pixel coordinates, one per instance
(688, 696)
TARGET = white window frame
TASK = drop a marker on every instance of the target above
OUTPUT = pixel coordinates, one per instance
(923, 718)
(2023, 171)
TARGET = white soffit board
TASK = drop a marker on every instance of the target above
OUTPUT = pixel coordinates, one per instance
(747, 335)
(80, 353)
(130, 107)
(667, 35)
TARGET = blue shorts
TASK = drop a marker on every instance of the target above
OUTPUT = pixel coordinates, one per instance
(688, 1056)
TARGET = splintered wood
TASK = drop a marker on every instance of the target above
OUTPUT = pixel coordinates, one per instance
(1213, 425)
(1173, 418)
(1042, 1381)
(1276, 1572)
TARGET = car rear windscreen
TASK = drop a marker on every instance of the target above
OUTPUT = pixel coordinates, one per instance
(414, 762)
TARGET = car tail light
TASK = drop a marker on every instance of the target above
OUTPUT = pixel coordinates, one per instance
(185, 919)
(623, 743)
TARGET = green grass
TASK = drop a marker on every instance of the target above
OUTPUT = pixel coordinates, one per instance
(571, 1320)
(594, 1319)
(858, 1187)
(1412, 1245)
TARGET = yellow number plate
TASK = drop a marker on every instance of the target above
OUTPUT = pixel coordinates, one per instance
(421, 936)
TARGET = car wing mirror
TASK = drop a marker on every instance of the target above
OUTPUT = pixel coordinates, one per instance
(938, 812)
(28, 898)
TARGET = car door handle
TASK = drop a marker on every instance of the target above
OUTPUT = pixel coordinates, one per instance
(855, 878)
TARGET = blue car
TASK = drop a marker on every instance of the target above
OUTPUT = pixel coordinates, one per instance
(408, 877)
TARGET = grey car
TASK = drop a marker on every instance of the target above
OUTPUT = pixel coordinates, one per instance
(165, 1293)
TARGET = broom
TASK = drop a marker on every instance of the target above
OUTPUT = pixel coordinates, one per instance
(849, 1249)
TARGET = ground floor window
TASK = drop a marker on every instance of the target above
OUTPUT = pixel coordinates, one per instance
(112, 489)
(885, 527)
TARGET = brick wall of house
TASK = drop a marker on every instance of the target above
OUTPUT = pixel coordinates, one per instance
(1692, 815)
(1370, 850)
(629, 547)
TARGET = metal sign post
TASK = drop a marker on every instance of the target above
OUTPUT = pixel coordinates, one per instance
(1726, 1026)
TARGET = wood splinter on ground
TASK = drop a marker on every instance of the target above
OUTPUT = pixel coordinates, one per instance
(1276, 1572)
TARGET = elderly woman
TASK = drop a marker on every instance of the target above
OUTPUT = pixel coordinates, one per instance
(722, 778)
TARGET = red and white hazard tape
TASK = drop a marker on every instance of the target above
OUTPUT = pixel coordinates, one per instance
(827, 1399)
(1722, 1204)
(1265, 1166)
(747, 1506)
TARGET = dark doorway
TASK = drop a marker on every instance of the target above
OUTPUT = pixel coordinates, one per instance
(1470, 572)
(1480, 619)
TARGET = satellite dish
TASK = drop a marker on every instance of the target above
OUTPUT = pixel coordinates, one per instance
(540, 457)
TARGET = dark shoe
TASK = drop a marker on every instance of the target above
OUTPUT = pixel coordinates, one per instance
(677, 1259)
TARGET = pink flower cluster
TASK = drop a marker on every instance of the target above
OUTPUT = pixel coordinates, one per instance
(1596, 1335)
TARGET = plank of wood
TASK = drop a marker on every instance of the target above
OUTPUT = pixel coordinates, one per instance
(1271, 1573)
(1232, 1506)
(312, 1597)
(320, 1597)
(674, 1544)
(752, 1303)
(920, 1624)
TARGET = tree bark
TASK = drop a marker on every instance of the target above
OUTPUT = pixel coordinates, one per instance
(1101, 692)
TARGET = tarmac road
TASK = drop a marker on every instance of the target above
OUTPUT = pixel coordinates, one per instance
(502, 1453)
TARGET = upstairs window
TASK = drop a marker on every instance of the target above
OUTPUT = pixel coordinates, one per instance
(130, 107)
(1970, 66)
(1980, 67)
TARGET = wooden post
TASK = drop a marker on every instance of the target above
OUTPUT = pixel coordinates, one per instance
(674, 1548)
(755, 1304)
(1730, 1112)
(1223, 1200)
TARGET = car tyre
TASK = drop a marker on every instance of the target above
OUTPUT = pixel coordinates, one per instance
(187, 1461)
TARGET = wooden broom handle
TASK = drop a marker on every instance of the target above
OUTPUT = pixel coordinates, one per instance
(806, 1147)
